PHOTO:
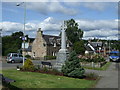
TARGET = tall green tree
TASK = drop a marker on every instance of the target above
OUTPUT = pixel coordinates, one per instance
(73, 33)
(79, 47)
(11, 43)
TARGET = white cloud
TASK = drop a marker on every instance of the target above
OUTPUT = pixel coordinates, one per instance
(49, 24)
(46, 7)
(101, 33)
(97, 24)
(99, 28)
(104, 29)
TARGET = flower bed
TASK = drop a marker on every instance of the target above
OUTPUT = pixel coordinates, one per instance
(96, 61)
(46, 71)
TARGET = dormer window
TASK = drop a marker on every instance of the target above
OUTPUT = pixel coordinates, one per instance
(51, 40)
(58, 41)
(68, 45)
(54, 45)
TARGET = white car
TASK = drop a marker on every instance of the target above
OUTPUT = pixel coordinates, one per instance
(15, 57)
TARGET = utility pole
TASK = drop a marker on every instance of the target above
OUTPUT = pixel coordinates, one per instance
(23, 29)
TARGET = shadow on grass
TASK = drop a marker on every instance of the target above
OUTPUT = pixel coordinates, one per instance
(6, 86)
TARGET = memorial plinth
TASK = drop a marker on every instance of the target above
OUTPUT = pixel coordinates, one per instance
(63, 53)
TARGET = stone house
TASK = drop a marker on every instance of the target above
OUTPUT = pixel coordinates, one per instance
(45, 45)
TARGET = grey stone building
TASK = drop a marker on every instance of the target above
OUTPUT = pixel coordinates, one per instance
(45, 45)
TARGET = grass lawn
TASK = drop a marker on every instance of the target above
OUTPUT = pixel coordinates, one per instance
(102, 68)
(38, 80)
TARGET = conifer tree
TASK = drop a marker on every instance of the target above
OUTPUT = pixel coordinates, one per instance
(72, 67)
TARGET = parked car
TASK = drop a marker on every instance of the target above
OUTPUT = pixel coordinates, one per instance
(114, 56)
(15, 57)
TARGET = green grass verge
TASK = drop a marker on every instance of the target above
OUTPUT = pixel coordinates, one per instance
(38, 80)
(102, 68)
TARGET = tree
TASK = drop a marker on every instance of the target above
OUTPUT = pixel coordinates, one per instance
(11, 43)
(79, 47)
(72, 67)
(73, 33)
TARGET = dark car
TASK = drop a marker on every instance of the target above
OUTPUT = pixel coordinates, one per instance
(114, 56)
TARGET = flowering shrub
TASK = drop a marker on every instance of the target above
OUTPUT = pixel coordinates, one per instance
(92, 58)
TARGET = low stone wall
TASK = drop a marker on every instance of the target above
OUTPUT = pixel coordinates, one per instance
(92, 64)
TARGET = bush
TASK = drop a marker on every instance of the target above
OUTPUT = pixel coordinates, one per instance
(27, 56)
(28, 65)
(49, 57)
(45, 69)
(72, 67)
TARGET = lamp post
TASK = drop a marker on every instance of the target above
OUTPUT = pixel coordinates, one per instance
(0, 44)
(109, 46)
(23, 29)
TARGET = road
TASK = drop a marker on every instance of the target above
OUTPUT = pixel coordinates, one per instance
(4, 65)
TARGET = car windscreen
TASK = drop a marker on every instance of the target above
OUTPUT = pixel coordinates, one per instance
(8, 55)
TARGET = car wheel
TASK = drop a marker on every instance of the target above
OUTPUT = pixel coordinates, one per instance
(12, 61)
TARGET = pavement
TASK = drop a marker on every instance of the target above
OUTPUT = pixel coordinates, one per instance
(109, 78)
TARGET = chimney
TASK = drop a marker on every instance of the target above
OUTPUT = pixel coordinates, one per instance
(40, 31)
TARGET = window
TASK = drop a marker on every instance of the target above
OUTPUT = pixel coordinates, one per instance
(54, 45)
(68, 45)
(33, 54)
(44, 44)
(20, 55)
(53, 53)
(15, 55)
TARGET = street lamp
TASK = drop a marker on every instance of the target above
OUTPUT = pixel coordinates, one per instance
(23, 29)
(0, 45)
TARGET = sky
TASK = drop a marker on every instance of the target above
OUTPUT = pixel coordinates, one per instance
(96, 19)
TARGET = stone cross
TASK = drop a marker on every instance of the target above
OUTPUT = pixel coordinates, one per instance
(63, 53)
(63, 37)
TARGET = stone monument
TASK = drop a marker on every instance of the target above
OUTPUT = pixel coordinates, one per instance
(63, 52)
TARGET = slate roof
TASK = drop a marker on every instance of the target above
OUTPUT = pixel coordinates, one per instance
(88, 48)
(29, 49)
(54, 39)
(31, 40)
(96, 44)
(50, 40)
